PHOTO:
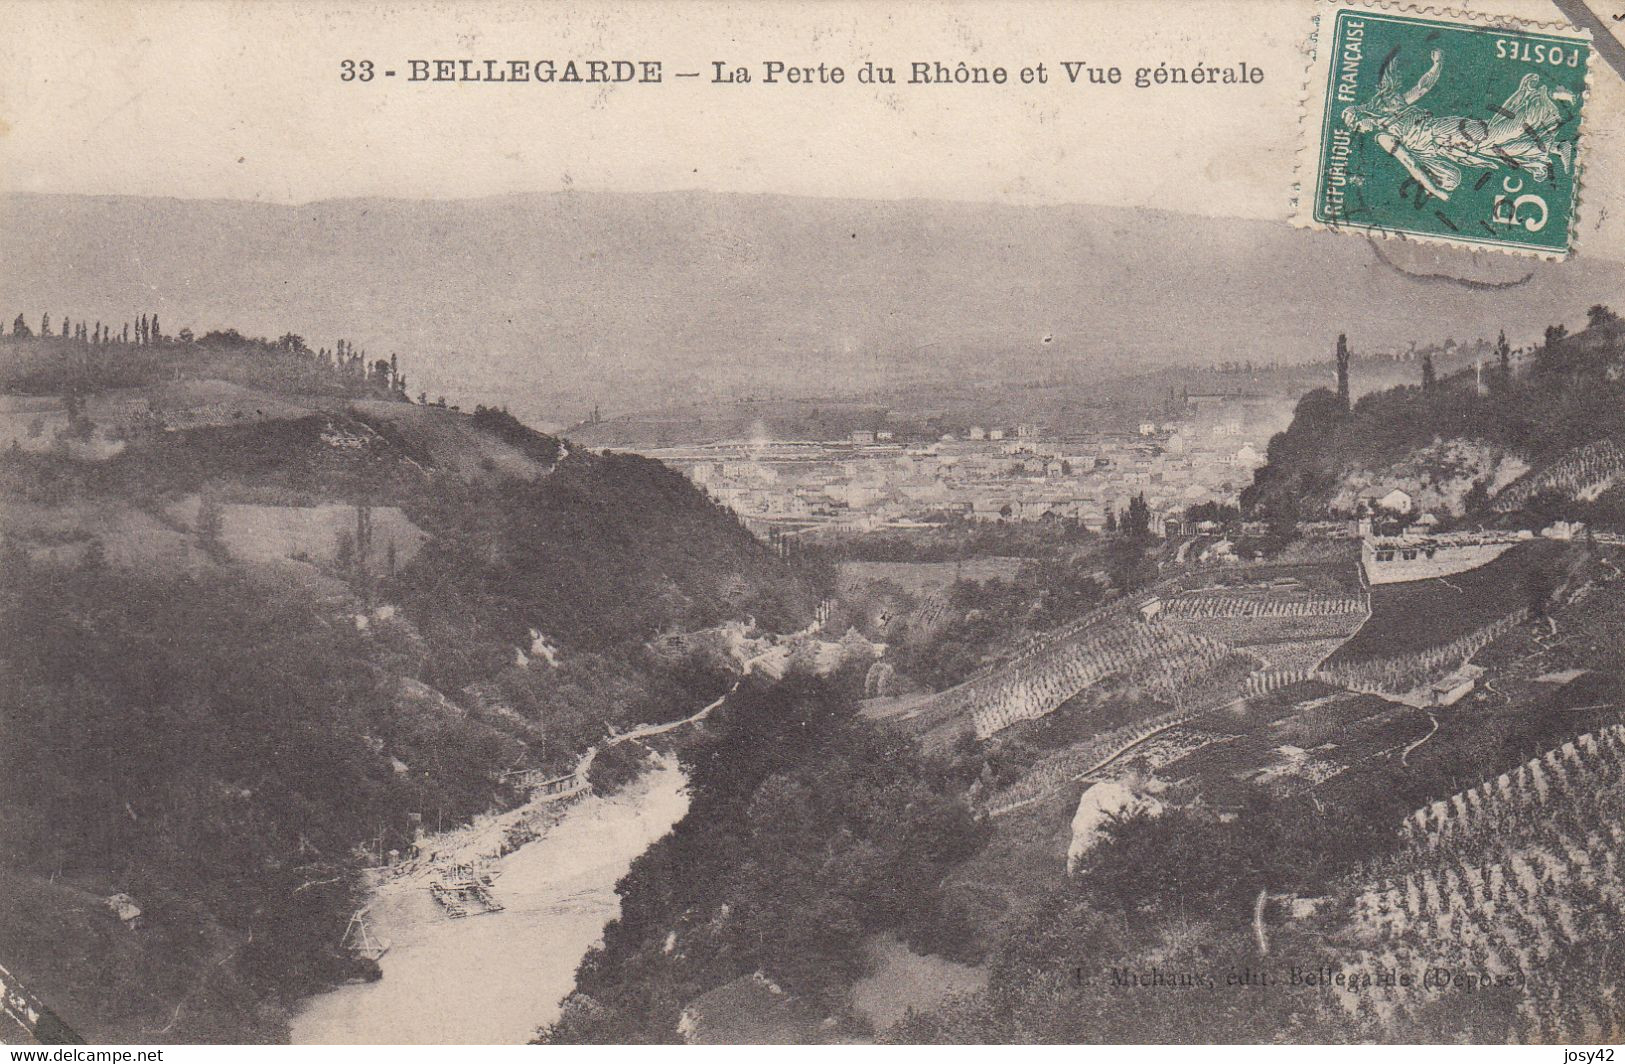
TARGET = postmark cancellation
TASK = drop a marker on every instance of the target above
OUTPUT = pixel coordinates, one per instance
(1444, 127)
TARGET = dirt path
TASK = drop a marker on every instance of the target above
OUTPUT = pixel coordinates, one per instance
(497, 976)
(490, 836)
(1404, 757)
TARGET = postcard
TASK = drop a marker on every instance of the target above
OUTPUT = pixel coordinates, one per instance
(846, 524)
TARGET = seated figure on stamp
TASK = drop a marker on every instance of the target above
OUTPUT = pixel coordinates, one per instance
(1436, 148)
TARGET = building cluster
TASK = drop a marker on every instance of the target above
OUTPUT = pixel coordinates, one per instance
(1009, 473)
(1422, 556)
(1398, 543)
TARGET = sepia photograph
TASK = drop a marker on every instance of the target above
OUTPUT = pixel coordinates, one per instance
(873, 523)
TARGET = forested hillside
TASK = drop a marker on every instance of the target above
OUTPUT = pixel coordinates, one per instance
(809, 831)
(263, 617)
(1543, 409)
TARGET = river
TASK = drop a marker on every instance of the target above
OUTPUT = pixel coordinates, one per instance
(495, 978)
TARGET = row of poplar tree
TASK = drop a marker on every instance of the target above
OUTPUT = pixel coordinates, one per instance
(146, 328)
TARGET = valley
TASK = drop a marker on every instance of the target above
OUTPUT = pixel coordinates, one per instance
(341, 619)
(1248, 764)
(332, 715)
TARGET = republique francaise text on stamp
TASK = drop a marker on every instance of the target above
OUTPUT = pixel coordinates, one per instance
(1464, 129)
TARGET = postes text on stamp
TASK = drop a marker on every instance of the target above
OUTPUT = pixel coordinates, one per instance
(1444, 127)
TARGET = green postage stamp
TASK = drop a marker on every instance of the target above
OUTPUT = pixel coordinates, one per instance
(1444, 127)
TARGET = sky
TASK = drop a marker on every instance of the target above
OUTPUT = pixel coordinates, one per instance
(206, 99)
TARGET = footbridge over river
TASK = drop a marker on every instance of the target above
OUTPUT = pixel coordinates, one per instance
(452, 864)
(446, 862)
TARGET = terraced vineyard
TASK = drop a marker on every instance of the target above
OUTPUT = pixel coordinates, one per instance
(1040, 683)
(1211, 605)
(1418, 614)
(1039, 644)
(1201, 650)
(930, 615)
(1406, 672)
(1518, 879)
(1292, 632)
(1199, 693)
(1583, 474)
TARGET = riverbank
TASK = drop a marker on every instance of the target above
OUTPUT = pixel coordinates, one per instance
(811, 830)
(497, 977)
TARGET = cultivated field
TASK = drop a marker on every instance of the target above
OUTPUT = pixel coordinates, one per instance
(270, 534)
(1519, 877)
(1584, 473)
(923, 577)
(1423, 614)
(1292, 632)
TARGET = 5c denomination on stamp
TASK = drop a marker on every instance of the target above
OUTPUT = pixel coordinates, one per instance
(1454, 128)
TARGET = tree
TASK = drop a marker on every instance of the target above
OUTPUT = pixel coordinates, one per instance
(94, 559)
(210, 524)
(157, 333)
(1429, 379)
(1503, 362)
(1598, 315)
(344, 553)
(1343, 370)
(1136, 523)
(45, 325)
(1127, 564)
(1111, 519)
(141, 330)
(1281, 512)
(1217, 512)
(185, 336)
(1477, 499)
(19, 327)
(1540, 584)
(1547, 358)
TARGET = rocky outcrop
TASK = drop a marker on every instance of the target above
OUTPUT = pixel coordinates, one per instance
(1105, 802)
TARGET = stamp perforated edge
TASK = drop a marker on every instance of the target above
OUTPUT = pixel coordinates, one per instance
(1312, 104)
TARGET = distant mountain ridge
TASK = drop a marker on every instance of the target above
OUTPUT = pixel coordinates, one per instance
(552, 303)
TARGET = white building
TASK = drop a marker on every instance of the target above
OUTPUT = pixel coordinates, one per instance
(1398, 501)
